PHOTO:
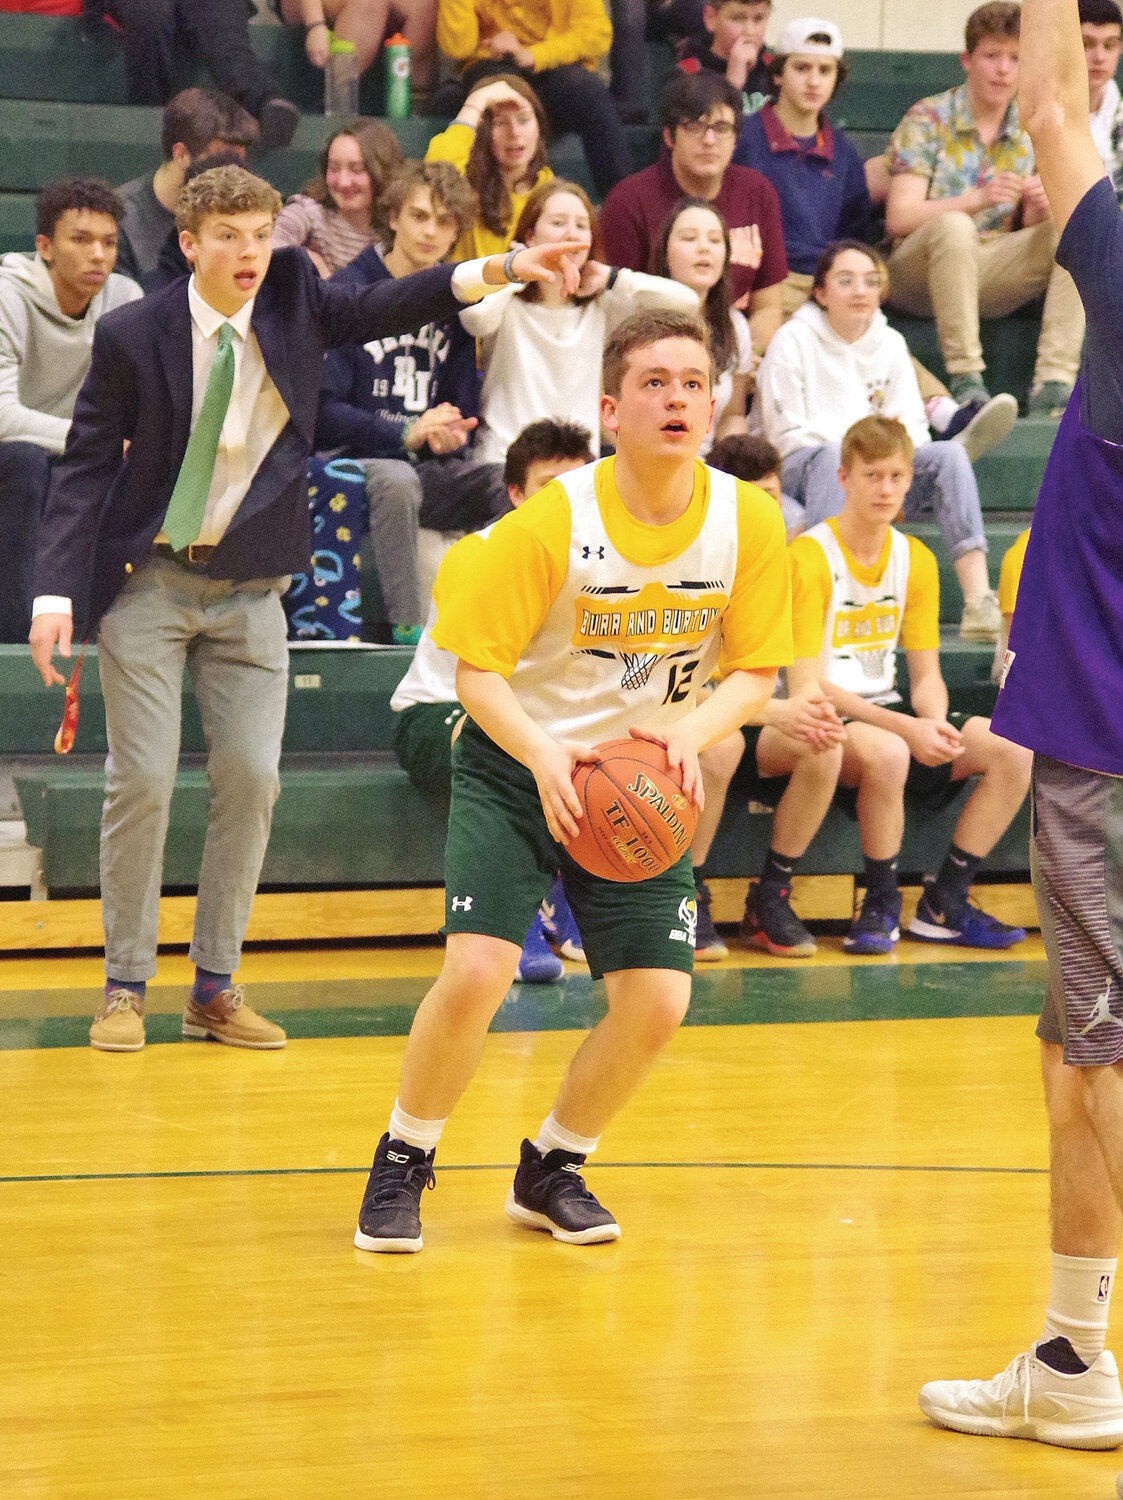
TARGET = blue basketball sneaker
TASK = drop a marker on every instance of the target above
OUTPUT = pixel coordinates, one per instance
(877, 927)
(538, 963)
(560, 925)
(961, 923)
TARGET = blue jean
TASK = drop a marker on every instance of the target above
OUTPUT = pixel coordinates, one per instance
(943, 486)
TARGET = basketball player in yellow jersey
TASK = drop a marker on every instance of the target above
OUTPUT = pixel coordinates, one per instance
(596, 609)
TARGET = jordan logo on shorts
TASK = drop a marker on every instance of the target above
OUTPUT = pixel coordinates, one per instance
(1101, 1011)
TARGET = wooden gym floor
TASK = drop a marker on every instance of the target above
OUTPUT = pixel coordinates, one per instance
(832, 1189)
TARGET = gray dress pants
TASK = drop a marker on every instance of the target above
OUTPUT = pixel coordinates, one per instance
(231, 638)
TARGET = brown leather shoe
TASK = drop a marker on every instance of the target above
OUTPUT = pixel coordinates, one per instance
(227, 1019)
(119, 1023)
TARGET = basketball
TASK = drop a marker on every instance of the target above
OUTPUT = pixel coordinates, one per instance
(636, 821)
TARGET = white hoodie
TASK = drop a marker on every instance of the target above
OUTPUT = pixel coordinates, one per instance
(812, 385)
(44, 355)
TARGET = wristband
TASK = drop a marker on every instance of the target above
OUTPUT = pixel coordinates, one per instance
(509, 264)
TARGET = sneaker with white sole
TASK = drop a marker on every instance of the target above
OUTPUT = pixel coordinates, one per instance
(980, 426)
(390, 1215)
(1031, 1399)
(981, 619)
(560, 925)
(549, 1193)
(964, 924)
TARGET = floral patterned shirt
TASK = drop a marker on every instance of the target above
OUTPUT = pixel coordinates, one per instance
(939, 140)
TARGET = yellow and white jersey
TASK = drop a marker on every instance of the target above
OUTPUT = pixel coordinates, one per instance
(853, 616)
(599, 621)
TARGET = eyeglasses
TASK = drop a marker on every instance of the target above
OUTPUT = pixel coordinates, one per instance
(846, 281)
(697, 129)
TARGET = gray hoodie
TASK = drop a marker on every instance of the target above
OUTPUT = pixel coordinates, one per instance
(44, 355)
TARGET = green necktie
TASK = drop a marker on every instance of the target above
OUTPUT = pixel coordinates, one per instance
(188, 504)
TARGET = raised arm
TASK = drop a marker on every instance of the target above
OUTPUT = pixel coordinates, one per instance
(1053, 101)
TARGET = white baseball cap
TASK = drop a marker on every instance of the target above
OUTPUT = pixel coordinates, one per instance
(796, 38)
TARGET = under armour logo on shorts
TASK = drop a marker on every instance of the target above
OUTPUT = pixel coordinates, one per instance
(462, 903)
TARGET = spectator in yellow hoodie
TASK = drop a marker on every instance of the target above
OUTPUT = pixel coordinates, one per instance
(555, 45)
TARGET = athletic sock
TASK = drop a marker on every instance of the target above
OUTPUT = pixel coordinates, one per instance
(881, 875)
(136, 986)
(1079, 1299)
(207, 985)
(555, 1137)
(956, 875)
(776, 872)
(424, 1134)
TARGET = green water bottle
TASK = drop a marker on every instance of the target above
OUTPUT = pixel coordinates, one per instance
(396, 103)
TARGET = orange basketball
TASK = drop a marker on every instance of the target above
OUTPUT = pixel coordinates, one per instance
(636, 821)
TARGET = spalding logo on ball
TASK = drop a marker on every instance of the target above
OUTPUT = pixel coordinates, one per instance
(637, 821)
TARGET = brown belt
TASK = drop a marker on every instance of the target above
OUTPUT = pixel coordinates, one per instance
(195, 555)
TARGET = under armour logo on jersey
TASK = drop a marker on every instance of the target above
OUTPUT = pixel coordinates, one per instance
(462, 903)
(1101, 1011)
(587, 552)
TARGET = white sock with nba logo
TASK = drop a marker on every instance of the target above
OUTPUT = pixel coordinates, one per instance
(1079, 1299)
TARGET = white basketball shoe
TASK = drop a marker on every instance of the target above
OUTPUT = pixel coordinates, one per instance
(1031, 1399)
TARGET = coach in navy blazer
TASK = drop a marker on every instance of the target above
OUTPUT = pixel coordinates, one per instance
(106, 564)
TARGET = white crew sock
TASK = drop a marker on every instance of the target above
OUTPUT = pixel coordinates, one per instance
(555, 1137)
(421, 1133)
(939, 410)
(1079, 1298)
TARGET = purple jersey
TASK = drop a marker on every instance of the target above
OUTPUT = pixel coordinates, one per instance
(1063, 690)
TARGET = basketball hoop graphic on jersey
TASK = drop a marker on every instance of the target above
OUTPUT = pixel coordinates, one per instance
(874, 664)
(637, 668)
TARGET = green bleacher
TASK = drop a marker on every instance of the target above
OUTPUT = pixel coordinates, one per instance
(63, 110)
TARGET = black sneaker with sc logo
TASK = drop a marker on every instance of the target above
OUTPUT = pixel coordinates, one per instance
(390, 1218)
(549, 1193)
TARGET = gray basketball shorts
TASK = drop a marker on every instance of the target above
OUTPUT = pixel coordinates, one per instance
(1076, 859)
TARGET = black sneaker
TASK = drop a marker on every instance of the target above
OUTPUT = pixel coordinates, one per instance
(550, 1193)
(390, 1218)
(877, 927)
(277, 124)
(770, 923)
(708, 947)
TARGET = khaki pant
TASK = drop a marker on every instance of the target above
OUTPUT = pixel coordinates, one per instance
(943, 269)
(795, 291)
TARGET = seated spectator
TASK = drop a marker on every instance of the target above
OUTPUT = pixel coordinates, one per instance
(498, 141)
(1101, 26)
(555, 46)
(428, 712)
(733, 46)
(860, 588)
(365, 23)
(162, 36)
(49, 304)
(389, 404)
(818, 175)
(196, 123)
(837, 360)
(972, 236)
(336, 216)
(701, 118)
(694, 249)
(790, 760)
(541, 348)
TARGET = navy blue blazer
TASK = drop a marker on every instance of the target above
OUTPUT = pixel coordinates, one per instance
(103, 511)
